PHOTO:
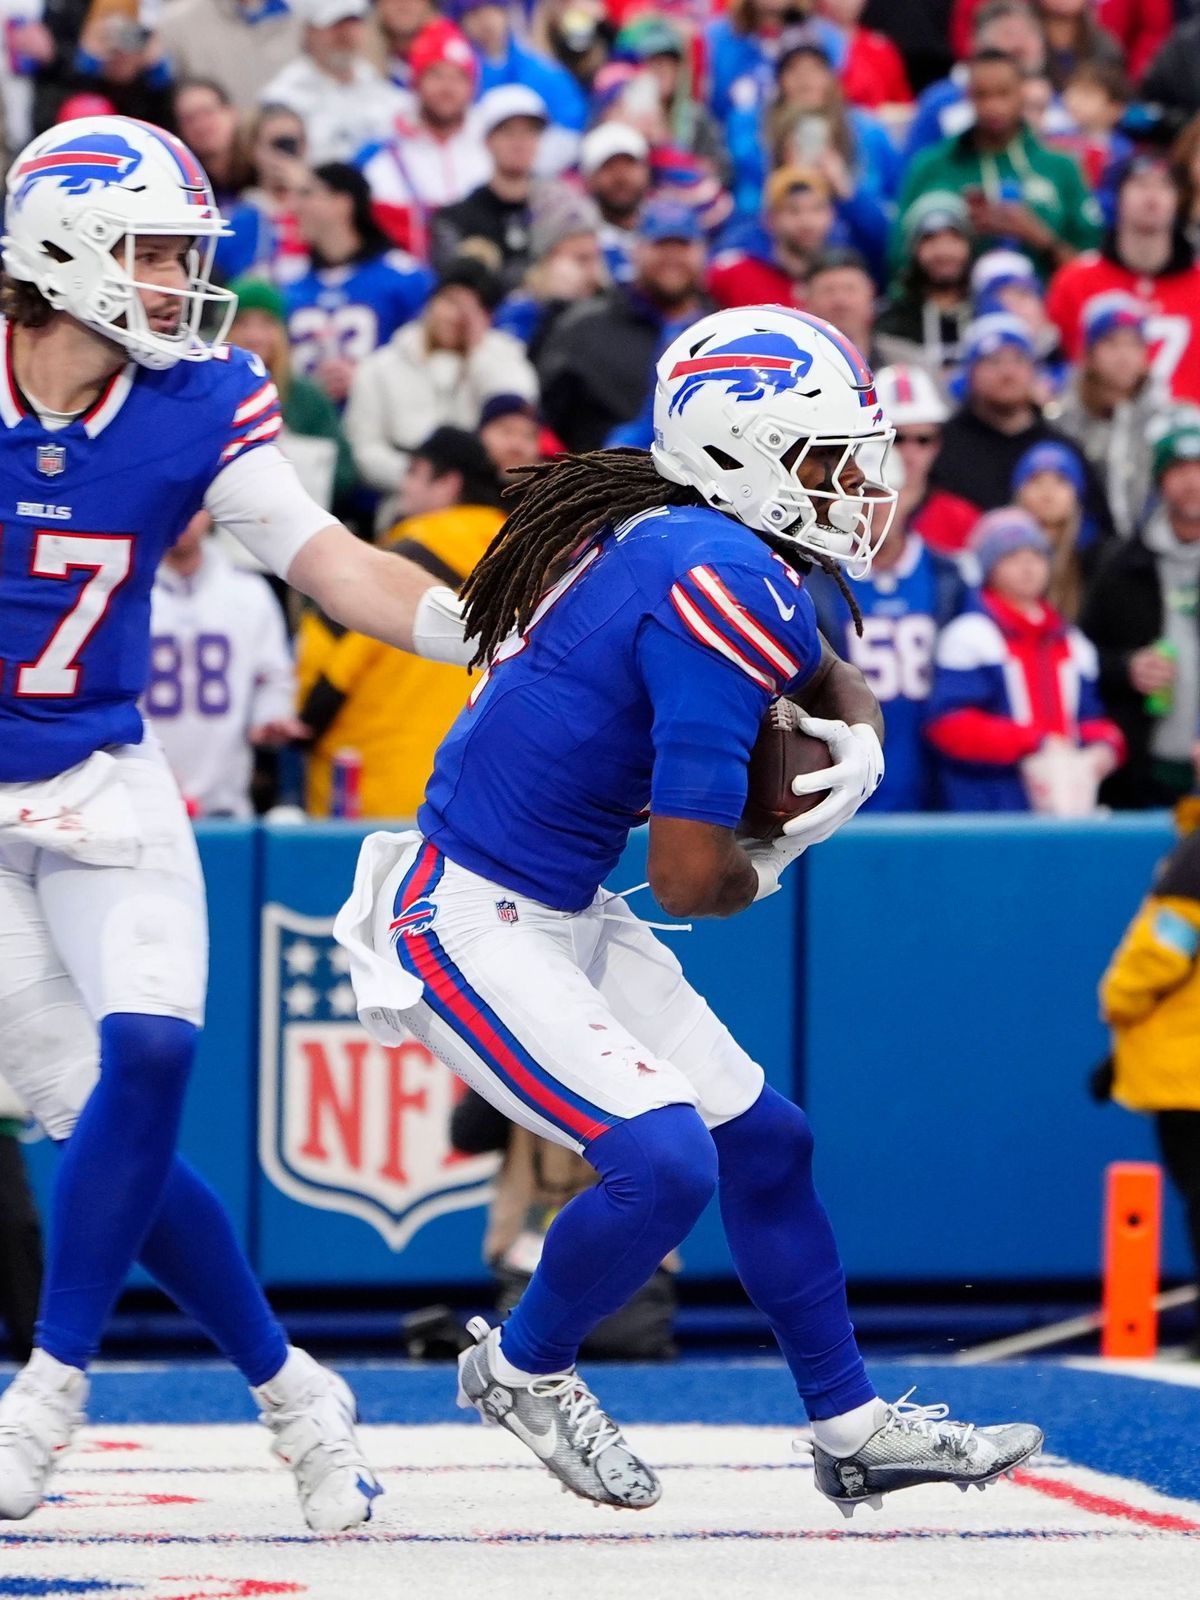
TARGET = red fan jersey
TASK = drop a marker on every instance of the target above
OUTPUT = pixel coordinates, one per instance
(1173, 301)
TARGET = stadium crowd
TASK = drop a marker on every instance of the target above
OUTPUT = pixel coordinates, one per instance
(461, 234)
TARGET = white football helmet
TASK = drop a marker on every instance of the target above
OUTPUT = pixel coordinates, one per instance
(78, 198)
(738, 391)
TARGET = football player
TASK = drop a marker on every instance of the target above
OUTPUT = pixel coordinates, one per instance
(118, 422)
(636, 616)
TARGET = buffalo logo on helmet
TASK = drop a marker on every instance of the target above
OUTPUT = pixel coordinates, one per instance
(748, 367)
(89, 161)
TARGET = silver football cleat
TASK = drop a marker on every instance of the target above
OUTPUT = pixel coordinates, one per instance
(559, 1418)
(920, 1444)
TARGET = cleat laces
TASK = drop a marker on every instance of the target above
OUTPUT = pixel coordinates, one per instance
(929, 1422)
(589, 1428)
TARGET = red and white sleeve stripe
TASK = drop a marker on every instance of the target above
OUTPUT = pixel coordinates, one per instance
(259, 435)
(262, 400)
(717, 619)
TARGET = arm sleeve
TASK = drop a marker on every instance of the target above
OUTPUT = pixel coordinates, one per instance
(706, 719)
(261, 501)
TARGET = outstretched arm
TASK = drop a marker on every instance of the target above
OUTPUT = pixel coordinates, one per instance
(379, 593)
(260, 500)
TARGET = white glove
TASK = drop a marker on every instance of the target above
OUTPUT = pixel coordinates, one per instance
(769, 858)
(856, 773)
(437, 628)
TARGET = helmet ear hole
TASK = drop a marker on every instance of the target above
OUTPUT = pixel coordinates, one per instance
(723, 459)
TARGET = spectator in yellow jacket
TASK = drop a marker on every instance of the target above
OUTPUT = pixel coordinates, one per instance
(1150, 998)
(393, 709)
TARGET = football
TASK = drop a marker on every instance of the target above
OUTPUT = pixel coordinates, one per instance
(781, 752)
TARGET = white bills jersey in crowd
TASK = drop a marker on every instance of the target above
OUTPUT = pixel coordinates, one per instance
(220, 666)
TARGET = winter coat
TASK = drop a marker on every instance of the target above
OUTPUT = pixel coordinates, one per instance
(1123, 612)
(976, 463)
(1048, 182)
(403, 391)
(597, 366)
(1150, 994)
(1117, 447)
(1003, 683)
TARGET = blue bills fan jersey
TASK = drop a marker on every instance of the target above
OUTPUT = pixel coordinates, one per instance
(86, 512)
(640, 684)
(350, 311)
(903, 610)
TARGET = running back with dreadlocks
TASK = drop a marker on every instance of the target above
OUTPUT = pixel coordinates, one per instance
(560, 506)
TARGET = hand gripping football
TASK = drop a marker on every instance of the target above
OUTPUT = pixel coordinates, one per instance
(781, 752)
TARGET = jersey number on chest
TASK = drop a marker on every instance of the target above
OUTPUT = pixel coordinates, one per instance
(108, 557)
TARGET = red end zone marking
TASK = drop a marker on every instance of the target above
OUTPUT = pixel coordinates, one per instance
(1102, 1505)
(242, 1588)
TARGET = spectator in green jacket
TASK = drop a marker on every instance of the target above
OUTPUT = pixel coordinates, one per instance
(261, 327)
(1020, 194)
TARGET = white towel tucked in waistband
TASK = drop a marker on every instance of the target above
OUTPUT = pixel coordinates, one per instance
(84, 813)
(382, 988)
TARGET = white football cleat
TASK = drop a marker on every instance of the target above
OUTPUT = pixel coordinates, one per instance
(312, 1413)
(39, 1412)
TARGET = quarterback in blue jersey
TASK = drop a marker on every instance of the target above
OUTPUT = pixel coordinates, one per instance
(636, 617)
(117, 423)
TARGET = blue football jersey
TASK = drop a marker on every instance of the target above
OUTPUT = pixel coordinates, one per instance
(640, 684)
(900, 609)
(86, 512)
(350, 311)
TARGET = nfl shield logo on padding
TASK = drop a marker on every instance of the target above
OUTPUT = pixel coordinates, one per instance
(506, 910)
(346, 1124)
(51, 460)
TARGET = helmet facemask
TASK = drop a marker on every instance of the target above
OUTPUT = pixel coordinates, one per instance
(107, 294)
(845, 517)
(846, 514)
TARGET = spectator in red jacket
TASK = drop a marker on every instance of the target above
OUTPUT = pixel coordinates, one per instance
(1013, 681)
(1146, 255)
(799, 215)
(872, 69)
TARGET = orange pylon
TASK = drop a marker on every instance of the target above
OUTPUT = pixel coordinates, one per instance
(1132, 1242)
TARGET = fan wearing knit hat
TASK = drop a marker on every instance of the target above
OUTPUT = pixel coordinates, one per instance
(1114, 401)
(1050, 483)
(567, 265)
(1015, 715)
(436, 153)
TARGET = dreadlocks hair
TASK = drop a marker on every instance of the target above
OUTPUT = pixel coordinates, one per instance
(559, 507)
